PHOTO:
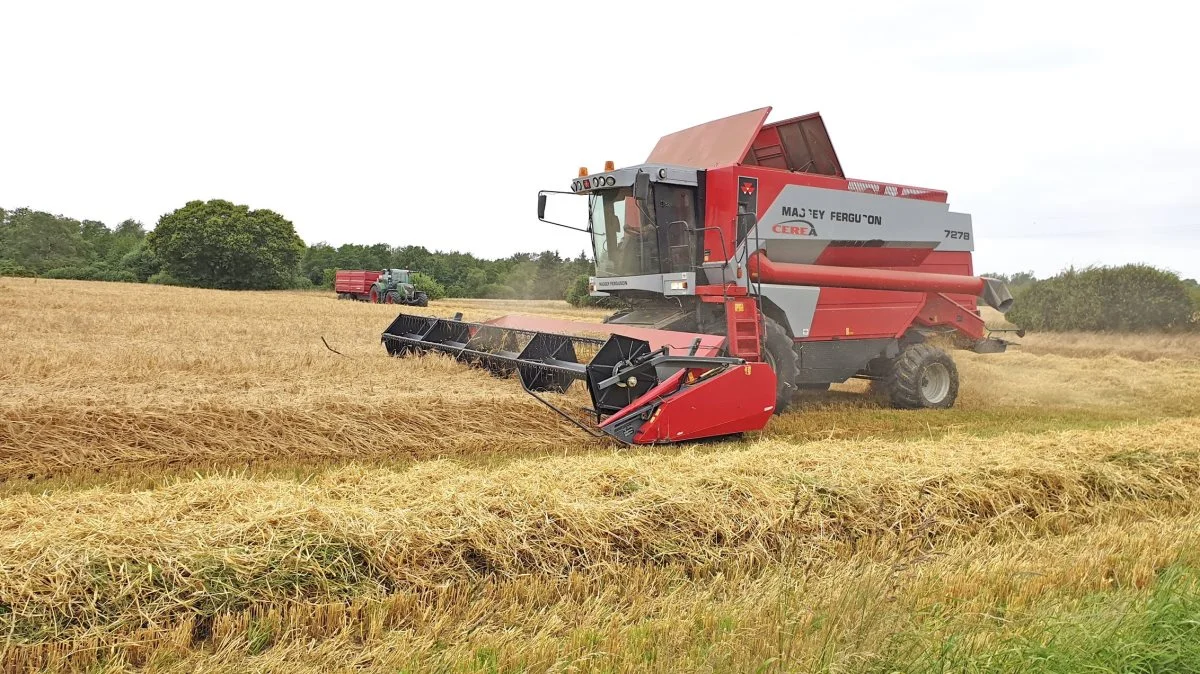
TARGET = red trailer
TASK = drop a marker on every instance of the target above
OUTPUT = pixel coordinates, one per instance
(355, 284)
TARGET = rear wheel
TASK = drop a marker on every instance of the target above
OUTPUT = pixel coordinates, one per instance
(922, 376)
(373, 296)
(780, 353)
(392, 297)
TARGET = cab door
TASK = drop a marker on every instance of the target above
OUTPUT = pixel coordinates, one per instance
(675, 214)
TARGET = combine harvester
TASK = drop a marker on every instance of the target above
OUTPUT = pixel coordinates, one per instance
(752, 268)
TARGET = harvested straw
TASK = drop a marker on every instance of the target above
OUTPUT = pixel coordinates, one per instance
(96, 561)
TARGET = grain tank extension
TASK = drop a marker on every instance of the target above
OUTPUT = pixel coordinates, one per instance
(749, 267)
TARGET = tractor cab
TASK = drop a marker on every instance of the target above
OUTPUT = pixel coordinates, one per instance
(394, 277)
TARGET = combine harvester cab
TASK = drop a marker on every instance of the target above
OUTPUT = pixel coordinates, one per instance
(751, 268)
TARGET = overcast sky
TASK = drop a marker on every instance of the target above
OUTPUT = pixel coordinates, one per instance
(1071, 134)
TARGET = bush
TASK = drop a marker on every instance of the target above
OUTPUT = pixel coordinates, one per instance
(163, 278)
(578, 294)
(1132, 298)
(120, 276)
(328, 276)
(10, 268)
(428, 285)
(75, 273)
(302, 282)
(92, 274)
(497, 291)
(142, 262)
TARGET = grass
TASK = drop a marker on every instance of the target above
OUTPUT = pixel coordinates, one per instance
(191, 481)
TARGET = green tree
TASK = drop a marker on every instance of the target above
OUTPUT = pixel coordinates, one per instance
(141, 262)
(125, 238)
(548, 281)
(218, 244)
(579, 293)
(39, 241)
(428, 285)
(96, 240)
(318, 259)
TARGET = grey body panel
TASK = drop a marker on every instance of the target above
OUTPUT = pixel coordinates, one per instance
(803, 220)
(655, 283)
(798, 303)
(623, 177)
(838, 360)
(664, 317)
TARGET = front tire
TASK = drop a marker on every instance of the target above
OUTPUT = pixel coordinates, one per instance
(780, 353)
(421, 299)
(922, 377)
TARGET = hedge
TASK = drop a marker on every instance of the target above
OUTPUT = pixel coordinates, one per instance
(1131, 298)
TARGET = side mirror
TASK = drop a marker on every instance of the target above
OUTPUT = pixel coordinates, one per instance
(542, 196)
(641, 187)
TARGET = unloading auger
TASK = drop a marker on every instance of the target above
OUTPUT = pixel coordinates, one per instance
(646, 386)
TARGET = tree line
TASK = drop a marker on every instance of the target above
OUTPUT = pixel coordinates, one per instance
(218, 244)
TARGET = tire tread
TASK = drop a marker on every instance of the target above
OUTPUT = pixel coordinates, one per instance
(903, 383)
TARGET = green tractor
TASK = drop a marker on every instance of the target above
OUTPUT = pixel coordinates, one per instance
(395, 286)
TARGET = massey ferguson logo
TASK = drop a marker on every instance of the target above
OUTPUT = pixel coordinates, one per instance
(747, 195)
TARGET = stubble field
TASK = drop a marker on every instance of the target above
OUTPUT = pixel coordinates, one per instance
(191, 481)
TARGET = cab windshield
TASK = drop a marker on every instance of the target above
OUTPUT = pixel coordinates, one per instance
(629, 240)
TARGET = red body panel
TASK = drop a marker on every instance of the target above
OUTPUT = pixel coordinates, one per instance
(354, 281)
(736, 400)
(721, 141)
(850, 313)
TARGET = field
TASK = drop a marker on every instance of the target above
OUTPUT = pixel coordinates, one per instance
(191, 481)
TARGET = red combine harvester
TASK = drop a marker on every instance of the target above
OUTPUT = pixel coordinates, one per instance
(751, 268)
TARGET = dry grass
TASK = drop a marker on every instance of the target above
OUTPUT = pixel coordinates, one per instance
(124, 378)
(192, 480)
(1183, 346)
